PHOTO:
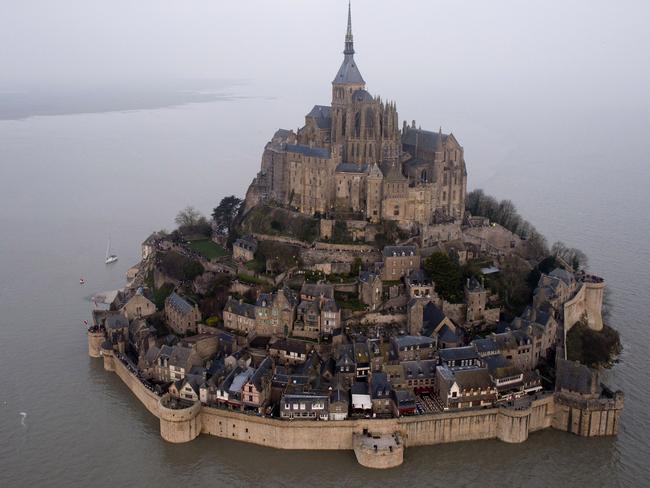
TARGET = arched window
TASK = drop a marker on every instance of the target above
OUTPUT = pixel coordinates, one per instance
(423, 175)
(357, 124)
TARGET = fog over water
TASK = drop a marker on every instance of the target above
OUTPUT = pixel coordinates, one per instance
(115, 116)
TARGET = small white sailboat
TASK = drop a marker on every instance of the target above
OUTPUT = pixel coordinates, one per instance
(110, 258)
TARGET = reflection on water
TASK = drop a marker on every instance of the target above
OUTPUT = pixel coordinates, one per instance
(68, 181)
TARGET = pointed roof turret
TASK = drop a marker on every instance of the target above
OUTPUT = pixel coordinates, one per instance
(349, 72)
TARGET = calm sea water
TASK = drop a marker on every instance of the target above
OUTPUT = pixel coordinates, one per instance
(68, 182)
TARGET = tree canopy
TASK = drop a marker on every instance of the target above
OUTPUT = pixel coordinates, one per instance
(572, 256)
(191, 222)
(447, 276)
(225, 213)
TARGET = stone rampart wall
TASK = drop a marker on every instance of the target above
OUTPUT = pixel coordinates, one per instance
(182, 425)
(588, 301)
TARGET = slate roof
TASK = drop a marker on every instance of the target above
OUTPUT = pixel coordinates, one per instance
(116, 321)
(473, 378)
(576, 377)
(424, 368)
(404, 342)
(243, 309)
(314, 152)
(247, 243)
(500, 367)
(316, 290)
(263, 369)
(390, 251)
(367, 276)
(458, 354)
(351, 168)
(432, 316)
(426, 139)
(362, 96)
(180, 356)
(322, 114)
(180, 304)
(419, 277)
(348, 72)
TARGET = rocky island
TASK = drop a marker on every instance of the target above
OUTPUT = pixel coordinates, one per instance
(359, 298)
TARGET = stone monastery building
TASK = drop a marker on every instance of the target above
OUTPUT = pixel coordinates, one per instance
(351, 158)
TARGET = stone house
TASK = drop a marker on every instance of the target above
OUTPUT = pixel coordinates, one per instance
(304, 406)
(315, 318)
(345, 365)
(467, 388)
(170, 363)
(186, 389)
(289, 352)
(138, 306)
(456, 358)
(229, 392)
(362, 359)
(419, 284)
(339, 405)
(476, 298)
(381, 396)
(256, 390)
(411, 348)
(243, 249)
(398, 262)
(404, 401)
(370, 289)
(419, 375)
(239, 316)
(181, 315)
(316, 291)
(510, 381)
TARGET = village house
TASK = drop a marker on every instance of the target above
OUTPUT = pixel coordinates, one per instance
(476, 299)
(138, 306)
(381, 396)
(456, 358)
(289, 352)
(405, 402)
(243, 249)
(239, 316)
(181, 315)
(304, 406)
(419, 284)
(410, 348)
(420, 375)
(256, 390)
(509, 380)
(229, 393)
(370, 289)
(317, 317)
(272, 314)
(398, 262)
(465, 388)
(339, 404)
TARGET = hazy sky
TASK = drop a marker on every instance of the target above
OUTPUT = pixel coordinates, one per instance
(589, 51)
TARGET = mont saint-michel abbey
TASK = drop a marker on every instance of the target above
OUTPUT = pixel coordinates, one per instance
(351, 158)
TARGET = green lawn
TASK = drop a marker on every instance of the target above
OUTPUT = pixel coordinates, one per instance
(207, 248)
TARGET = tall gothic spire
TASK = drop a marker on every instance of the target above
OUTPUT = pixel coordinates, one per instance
(349, 72)
(349, 41)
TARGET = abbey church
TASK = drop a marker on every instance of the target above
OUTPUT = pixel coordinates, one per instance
(351, 159)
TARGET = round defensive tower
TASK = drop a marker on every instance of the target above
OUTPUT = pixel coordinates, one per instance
(513, 424)
(95, 339)
(107, 354)
(179, 421)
